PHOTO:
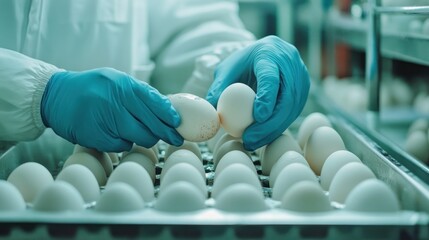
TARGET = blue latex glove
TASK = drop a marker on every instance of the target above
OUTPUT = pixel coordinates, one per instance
(108, 110)
(276, 72)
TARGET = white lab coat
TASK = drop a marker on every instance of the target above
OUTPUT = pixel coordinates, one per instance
(153, 40)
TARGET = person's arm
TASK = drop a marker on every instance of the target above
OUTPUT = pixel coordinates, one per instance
(22, 83)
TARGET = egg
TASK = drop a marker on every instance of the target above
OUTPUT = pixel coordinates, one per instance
(81, 178)
(199, 119)
(180, 156)
(275, 150)
(241, 198)
(102, 157)
(114, 158)
(419, 124)
(119, 197)
(90, 162)
(235, 108)
(309, 124)
(235, 173)
(348, 177)
(223, 139)
(59, 196)
(184, 172)
(284, 160)
(10, 197)
(180, 196)
(227, 147)
(212, 141)
(232, 157)
(136, 176)
(30, 178)
(373, 196)
(143, 161)
(151, 153)
(417, 144)
(291, 174)
(305, 196)
(322, 143)
(191, 146)
(333, 163)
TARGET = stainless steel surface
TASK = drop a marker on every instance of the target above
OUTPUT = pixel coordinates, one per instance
(403, 10)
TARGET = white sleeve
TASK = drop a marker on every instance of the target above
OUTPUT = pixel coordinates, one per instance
(181, 31)
(22, 83)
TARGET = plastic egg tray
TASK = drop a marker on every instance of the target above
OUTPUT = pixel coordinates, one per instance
(412, 222)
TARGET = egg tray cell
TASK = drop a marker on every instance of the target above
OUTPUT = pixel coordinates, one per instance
(412, 222)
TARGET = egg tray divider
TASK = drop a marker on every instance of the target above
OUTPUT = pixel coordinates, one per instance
(51, 151)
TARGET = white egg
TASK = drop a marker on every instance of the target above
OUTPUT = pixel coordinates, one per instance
(417, 144)
(322, 143)
(151, 153)
(372, 195)
(143, 161)
(10, 197)
(420, 124)
(241, 198)
(30, 179)
(333, 163)
(183, 172)
(235, 173)
(232, 157)
(291, 174)
(223, 139)
(59, 196)
(136, 176)
(83, 180)
(191, 146)
(212, 141)
(114, 158)
(180, 197)
(306, 196)
(199, 119)
(119, 197)
(276, 149)
(91, 163)
(235, 108)
(309, 124)
(180, 156)
(284, 160)
(348, 177)
(228, 147)
(102, 157)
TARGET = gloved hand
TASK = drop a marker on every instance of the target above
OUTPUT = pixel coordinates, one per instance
(108, 110)
(276, 72)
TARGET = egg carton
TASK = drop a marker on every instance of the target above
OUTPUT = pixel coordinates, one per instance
(412, 222)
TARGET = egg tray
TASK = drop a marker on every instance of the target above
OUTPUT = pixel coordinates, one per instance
(412, 222)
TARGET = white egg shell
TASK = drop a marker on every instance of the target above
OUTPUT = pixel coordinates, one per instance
(191, 146)
(114, 158)
(276, 149)
(91, 163)
(232, 157)
(180, 156)
(136, 176)
(241, 198)
(372, 195)
(10, 197)
(223, 139)
(143, 161)
(81, 178)
(183, 172)
(284, 160)
(151, 153)
(119, 197)
(291, 174)
(30, 179)
(420, 124)
(309, 124)
(102, 157)
(322, 143)
(59, 196)
(333, 163)
(306, 196)
(235, 173)
(417, 145)
(212, 141)
(199, 119)
(228, 147)
(348, 177)
(180, 197)
(235, 108)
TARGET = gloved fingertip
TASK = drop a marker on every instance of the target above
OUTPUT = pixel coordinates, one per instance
(177, 141)
(249, 146)
(176, 120)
